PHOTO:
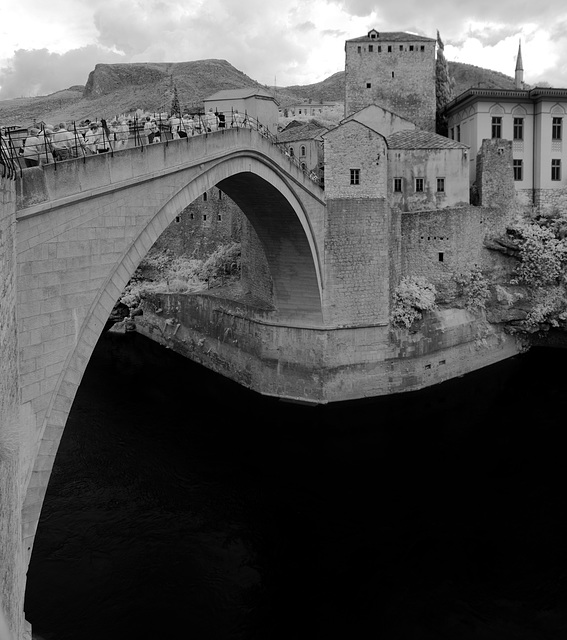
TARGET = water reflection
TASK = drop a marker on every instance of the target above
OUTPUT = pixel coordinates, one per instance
(182, 505)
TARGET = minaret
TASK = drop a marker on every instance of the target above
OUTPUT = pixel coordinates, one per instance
(519, 68)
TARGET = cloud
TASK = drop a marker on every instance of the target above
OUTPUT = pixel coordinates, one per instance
(39, 72)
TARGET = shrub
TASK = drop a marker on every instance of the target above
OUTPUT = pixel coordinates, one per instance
(474, 288)
(412, 297)
(542, 255)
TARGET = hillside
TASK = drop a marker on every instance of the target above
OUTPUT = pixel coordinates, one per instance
(112, 89)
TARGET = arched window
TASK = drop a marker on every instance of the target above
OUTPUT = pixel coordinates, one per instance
(302, 150)
(304, 166)
(291, 151)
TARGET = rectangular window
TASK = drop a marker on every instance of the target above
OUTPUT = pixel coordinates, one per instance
(422, 48)
(401, 47)
(389, 48)
(379, 48)
(397, 185)
(556, 169)
(440, 185)
(556, 126)
(518, 170)
(368, 85)
(452, 133)
(411, 47)
(419, 184)
(355, 176)
(458, 128)
(370, 48)
(359, 49)
(518, 128)
(496, 127)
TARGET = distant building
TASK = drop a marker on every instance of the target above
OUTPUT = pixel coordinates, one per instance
(305, 143)
(255, 102)
(534, 120)
(381, 120)
(312, 109)
(395, 70)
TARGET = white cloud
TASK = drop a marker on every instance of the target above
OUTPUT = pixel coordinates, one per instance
(298, 42)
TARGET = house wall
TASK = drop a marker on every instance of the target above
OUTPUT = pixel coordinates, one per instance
(265, 110)
(382, 120)
(429, 164)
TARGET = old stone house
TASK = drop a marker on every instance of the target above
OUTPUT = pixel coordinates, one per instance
(304, 142)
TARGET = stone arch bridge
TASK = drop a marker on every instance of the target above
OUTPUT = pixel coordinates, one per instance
(72, 235)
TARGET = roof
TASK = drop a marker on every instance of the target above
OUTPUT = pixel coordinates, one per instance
(529, 95)
(308, 131)
(239, 94)
(392, 36)
(416, 139)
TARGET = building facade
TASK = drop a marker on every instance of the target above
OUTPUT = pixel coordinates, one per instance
(254, 102)
(533, 120)
(395, 70)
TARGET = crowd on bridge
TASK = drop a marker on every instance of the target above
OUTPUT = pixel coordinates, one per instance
(48, 143)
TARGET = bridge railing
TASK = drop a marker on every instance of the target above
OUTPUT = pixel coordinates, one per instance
(140, 132)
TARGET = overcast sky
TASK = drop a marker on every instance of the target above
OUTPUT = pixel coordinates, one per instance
(50, 45)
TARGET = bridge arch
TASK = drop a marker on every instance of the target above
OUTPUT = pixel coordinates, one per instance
(291, 242)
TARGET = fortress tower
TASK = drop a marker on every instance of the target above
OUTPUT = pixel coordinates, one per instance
(394, 70)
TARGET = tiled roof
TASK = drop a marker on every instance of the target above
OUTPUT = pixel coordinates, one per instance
(393, 36)
(308, 131)
(417, 139)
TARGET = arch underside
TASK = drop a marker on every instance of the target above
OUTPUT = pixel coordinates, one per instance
(279, 218)
(288, 252)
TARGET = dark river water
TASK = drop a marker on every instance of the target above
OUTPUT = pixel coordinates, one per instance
(184, 506)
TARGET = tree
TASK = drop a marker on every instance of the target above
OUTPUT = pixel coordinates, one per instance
(444, 87)
(175, 107)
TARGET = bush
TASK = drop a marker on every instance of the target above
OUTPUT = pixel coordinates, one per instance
(542, 255)
(412, 297)
(474, 288)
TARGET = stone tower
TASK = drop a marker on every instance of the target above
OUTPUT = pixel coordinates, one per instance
(395, 70)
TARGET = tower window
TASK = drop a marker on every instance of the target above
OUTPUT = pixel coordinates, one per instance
(556, 126)
(496, 127)
(556, 169)
(418, 184)
(205, 197)
(355, 176)
(518, 170)
(441, 256)
(302, 150)
(518, 128)
(389, 48)
(220, 195)
(219, 217)
(397, 185)
(204, 216)
(392, 74)
(440, 185)
(192, 216)
(368, 85)
(177, 219)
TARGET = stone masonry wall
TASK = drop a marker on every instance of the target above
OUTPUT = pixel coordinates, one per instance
(401, 81)
(357, 237)
(438, 244)
(495, 173)
(11, 585)
(211, 220)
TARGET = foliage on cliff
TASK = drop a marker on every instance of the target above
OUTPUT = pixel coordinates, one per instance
(162, 271)
(538, 281)
(412, 297)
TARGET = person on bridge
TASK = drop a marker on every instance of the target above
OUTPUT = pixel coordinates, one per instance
(45, 138)
(212, 121)
(93, 138)
(121, 132)
(148, 130)
(63, 142)
(31, 148)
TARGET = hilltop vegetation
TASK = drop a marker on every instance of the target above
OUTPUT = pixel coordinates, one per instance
(112, 89)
